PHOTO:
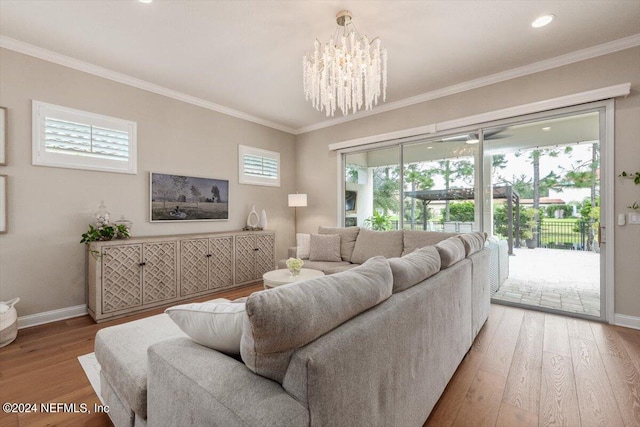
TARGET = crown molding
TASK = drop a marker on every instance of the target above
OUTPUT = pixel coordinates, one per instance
(536, 67)
(76, 64)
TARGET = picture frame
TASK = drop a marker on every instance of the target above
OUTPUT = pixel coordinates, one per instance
(3, 136)
(3, 204)
(180, 198)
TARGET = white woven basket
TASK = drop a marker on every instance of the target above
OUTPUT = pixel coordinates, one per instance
(8, 322)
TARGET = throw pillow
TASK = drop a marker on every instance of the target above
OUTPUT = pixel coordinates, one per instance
(283, 319)
(302, 245)
(473, 242)
(451, 251)
(377, 243)
(348, 236)
(216, 324)
(324, 247)
(414, 239)
(412, 269)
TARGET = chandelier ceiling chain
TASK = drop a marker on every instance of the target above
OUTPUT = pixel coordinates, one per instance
(347, 75)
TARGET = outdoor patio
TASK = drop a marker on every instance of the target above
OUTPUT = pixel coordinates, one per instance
(567, 280)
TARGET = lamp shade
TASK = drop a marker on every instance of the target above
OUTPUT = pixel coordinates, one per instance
(297, 200)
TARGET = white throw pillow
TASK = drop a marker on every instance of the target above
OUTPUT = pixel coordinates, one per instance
(216, 324)
(303, 243)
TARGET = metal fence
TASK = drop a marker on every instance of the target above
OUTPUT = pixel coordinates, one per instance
(565, 235)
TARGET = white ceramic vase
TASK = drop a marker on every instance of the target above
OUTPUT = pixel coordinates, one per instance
(253, 220)
(263, 219)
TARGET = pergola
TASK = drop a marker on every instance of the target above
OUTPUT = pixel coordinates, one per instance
(499, 192)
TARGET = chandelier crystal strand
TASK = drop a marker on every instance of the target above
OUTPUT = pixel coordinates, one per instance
(345, 76)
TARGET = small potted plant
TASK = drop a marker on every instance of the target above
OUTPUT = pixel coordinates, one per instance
(294, 265)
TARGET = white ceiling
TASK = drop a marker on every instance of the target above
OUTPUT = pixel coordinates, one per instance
(247, 55)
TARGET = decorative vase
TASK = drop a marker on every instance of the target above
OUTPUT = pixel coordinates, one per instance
(252, 219)
(294, 271)
(294, 265)
(263, 219)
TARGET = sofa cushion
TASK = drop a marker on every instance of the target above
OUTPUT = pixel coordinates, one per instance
(473, 242)
(377, 243)
(348, 237)
(414, 268)
(280, 320)
(414, 239)
(121, 351)
(451, 251)
(325, 247)
(303, 244)
(216, 324)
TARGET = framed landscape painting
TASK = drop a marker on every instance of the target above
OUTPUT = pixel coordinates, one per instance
(188, 198)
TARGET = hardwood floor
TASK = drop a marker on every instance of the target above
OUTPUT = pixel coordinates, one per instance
(534, 369)
(524, 369)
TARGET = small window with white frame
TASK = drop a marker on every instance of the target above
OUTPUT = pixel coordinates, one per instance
(258, 167)
(75, 139)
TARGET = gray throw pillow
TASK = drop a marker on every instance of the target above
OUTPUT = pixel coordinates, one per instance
(473, 242)
(451, 251)
(376, 243)
(324, 247)
(414, 239)
(283, 319)
(412, 269)
(348, 237)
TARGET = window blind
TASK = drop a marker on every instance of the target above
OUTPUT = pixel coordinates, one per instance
(67, 137)
(260, 166)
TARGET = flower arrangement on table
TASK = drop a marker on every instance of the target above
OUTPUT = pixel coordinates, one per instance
(294, 265)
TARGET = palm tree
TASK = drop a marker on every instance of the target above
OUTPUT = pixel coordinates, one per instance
(419, 180)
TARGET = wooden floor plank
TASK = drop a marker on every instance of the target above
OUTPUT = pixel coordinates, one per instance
(631, 341)
(485, 335)
(447, 408)
(595, 395)
(556, 335)
(510, 416)
(625, 382)
(558, 398)
(608, 340)
(522, 389)
(482, 402)
(579, 328)
(500, 352)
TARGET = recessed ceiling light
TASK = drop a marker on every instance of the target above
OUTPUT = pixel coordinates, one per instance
(472, 141)
(145, 1)
(542, 21)
(546, 129)
(429, 147)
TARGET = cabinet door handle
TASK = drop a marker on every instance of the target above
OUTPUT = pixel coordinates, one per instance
(256, 249)
(208, 255)
(142, 264)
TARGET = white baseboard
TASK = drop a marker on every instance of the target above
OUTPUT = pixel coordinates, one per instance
(626, 321)
(51, 316)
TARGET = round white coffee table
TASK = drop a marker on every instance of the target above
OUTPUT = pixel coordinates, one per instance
(283, 276)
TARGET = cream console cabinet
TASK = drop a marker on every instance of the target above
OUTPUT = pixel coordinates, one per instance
(128, 276)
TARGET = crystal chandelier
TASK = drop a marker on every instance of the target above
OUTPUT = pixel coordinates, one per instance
(348, 75)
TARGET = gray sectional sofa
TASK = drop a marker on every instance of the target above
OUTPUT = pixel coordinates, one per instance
(372, 346)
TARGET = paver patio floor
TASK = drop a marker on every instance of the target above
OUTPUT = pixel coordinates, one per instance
(552, 278)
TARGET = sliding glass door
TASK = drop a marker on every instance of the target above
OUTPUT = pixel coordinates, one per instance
(544, 180)
(534, 184)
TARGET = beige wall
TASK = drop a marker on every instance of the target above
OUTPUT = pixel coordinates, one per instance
(41, 260)
(313, 154)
